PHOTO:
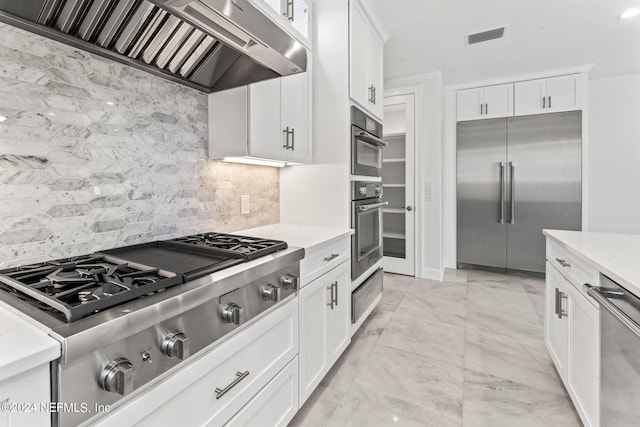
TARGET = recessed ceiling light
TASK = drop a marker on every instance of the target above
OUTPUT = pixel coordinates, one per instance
(629, 13)
(110, 103)
(51, 114)
(3, 118)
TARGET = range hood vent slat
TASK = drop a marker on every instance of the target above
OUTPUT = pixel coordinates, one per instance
(175, 42)
(50, 12)
(147, 34)
(116, 21)
(70, 15)
(186, 50)
(160, 39)
(95, 18)
(198, 55)
(134, 27)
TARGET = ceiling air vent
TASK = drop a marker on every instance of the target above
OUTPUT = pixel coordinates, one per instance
(484, 36)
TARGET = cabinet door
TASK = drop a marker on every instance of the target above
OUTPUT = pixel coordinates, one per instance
(359, 46)
(338, 313)
(469, 101)
(564, 93)
(498, 101)
(584, 357)
(295, 116)
(312, 301)
(265, 134)
(530, 97)
(300, 20)
(556, 328)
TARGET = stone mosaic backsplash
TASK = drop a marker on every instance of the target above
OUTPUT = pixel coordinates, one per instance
(95, 154)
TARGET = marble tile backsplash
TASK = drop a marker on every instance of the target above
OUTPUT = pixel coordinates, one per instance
(95, 154)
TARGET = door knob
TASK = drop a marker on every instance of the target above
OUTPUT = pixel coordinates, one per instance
(409, 208)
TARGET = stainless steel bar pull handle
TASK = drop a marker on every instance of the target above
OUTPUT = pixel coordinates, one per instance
(502, 191)
(331, 297)
(544, 102)
(563, 262)
(365, 208)
(286, 138)
(481, 106)
(293, 139)
(331, 257)
(486, 108)
(549, 101)
(621, 316)
(240, 376)
(512, 166)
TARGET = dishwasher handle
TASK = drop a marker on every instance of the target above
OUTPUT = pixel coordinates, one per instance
(599, 294)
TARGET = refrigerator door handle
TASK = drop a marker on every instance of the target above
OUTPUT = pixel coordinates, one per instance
(502, 191)
(512, 166)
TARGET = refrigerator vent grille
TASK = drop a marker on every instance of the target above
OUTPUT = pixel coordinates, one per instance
(484, 36)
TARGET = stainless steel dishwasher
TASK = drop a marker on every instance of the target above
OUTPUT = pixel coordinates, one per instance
(619, 354)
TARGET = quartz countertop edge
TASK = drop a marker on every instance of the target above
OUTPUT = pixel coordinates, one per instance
(298, 235)
(614, 255)
(24, 346)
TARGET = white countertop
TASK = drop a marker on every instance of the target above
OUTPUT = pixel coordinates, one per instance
(23, 345)
(615, 255)
(297, 235)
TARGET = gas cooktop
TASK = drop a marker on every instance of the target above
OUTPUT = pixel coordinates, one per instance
(77, 287)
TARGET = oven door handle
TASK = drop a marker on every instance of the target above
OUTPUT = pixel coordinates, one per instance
(371, 139)
(365, 208)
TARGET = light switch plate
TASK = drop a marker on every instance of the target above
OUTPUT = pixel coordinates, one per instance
(244, 205)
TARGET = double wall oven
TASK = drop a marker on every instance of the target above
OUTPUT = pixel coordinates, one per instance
(366, 212)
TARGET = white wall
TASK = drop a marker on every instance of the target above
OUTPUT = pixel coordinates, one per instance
(614, 154)
(428, 169)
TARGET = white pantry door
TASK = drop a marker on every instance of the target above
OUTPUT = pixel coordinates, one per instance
(398, 181)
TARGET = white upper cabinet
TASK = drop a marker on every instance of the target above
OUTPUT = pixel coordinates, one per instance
(552, 95)
(488, 102)
(291, 14)
(366, 41)
(268, 120)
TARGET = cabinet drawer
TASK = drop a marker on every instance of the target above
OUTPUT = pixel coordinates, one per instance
(242, 365)
(577, 271)
(323, 258)
(275, 405)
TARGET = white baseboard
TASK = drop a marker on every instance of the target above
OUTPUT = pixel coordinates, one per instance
(433, 274)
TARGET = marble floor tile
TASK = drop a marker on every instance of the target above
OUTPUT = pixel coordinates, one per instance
(372, 328)
(508, 358)
(366, 407)
(496, 402)
(456, 276)
(443, 302)
(436, 340)
(318, 408)
(341, 376)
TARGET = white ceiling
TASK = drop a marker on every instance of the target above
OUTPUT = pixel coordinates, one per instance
(541, 35)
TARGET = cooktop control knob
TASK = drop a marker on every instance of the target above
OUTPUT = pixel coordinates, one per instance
(117, 376)
(270, 293)
(288, 281)
(176, 345)
(233, 313)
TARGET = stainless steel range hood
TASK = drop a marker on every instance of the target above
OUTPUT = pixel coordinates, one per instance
(210, 45)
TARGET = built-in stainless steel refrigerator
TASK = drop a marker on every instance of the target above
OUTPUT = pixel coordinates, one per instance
(516, 176)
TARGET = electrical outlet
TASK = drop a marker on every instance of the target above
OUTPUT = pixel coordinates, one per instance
(244, 205)
(427, 191)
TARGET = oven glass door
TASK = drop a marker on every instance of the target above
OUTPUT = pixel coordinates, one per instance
(367, 240)
(366, 157)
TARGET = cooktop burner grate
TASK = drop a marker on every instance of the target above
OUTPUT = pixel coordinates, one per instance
(76, 287)
(245, 247)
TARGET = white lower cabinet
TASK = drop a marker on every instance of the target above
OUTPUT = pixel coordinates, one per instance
(324, 326)
(30, 388)
(572, 335)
